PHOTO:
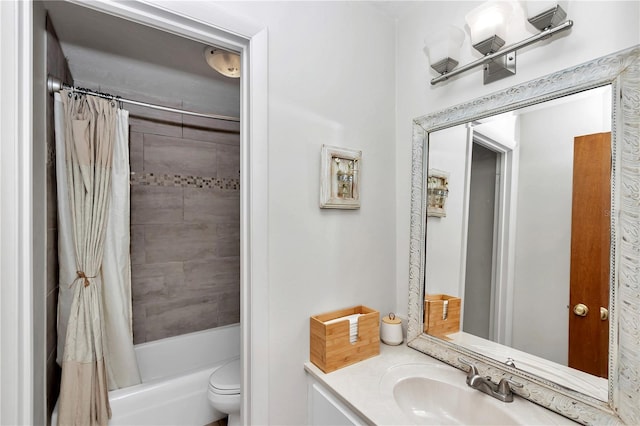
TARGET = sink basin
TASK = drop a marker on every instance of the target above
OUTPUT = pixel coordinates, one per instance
(429, 394)
(432, 402)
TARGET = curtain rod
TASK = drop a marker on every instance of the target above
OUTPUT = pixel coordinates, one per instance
(55, 85)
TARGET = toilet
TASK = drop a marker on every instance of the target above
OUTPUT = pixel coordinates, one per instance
(224, 390)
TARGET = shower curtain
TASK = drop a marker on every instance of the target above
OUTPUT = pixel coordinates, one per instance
(95, 345)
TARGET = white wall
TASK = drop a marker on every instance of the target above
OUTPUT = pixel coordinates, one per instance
(447, 152)
(616, 29)
(328, 84)
(543, 229)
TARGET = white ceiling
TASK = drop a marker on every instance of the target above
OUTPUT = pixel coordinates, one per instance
(108, 52)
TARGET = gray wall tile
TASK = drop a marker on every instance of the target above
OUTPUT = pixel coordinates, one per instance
(218, 273)
(52, 261)
(52, 334)
(136, 151)
(228, 240)
(184, 240)
(137, 245)
(52, 195)
(156, 204)
(228, 230)
(181, 316)
(153, 281)
(211, 205)
(229, 311)
(139, 323)
(179, 156)
(200, 134)
(142, 97)
(201, 292)
(228, 161)
(230, 300)
(228, 247)
(155, 126)
(211, 124)
(179, 242)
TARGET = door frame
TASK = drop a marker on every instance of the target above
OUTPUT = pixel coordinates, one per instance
(199, 21)
(503, 271)
(16, 274)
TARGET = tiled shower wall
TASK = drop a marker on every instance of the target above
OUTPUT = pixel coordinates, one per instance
(185, 220)
(56, 66)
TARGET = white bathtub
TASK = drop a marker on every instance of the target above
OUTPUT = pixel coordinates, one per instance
(175, 374)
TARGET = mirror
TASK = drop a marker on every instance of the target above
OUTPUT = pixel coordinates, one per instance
(528, 172)
(509, 254)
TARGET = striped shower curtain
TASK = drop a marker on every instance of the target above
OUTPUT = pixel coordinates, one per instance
(95, 347)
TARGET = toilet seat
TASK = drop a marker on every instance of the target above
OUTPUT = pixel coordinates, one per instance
(226, 379)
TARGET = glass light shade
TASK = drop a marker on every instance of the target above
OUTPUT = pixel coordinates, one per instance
(226, 63)
(535, 8)
(444, 44)
(488, 20)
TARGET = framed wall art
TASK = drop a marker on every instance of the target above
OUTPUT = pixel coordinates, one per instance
(437, 192)
(340, 178)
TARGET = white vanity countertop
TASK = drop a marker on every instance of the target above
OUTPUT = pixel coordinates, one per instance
(359, 387)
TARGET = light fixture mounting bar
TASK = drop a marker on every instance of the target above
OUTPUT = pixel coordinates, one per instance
(508, 49)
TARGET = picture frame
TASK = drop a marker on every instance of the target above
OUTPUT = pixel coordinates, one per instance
(437, 192)
(340, 178)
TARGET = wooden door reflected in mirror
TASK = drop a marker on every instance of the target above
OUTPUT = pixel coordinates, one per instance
(590, 254)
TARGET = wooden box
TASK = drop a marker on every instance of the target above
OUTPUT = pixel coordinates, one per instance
(436, 321)
(330, 346)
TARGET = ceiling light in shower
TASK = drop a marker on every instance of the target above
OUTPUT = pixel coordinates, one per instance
(226, 63)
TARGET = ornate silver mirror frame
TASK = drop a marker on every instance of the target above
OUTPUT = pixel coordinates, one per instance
(622, 71)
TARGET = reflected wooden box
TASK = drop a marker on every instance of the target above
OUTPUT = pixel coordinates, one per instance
(330, 345)
(441, 318)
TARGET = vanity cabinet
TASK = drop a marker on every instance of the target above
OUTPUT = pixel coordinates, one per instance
(325, 409)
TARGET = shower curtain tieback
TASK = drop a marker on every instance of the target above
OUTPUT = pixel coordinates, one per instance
(82, 276)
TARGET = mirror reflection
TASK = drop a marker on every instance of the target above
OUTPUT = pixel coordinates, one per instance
(523, 242)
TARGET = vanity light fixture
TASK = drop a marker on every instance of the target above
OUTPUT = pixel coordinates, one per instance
(443, 49)
(487, 27)
(225, 62)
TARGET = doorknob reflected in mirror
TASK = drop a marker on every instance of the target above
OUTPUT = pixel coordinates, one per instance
(581, 310)
(604, 313)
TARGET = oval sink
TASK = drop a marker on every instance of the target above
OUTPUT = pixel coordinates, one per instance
(432, 402)
(435, 394)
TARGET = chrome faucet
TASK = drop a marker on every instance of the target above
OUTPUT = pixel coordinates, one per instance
(501, 391)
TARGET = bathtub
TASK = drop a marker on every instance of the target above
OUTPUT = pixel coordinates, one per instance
(175, 374)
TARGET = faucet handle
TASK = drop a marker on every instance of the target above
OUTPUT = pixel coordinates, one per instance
(505, 385)
(465, 362)
(473, 370)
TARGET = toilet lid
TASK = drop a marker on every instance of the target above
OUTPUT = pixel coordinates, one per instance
(226, 379)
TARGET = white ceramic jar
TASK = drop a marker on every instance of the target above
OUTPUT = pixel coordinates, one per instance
(391, 330)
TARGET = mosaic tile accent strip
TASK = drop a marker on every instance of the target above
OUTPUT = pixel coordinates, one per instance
(185, 181)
